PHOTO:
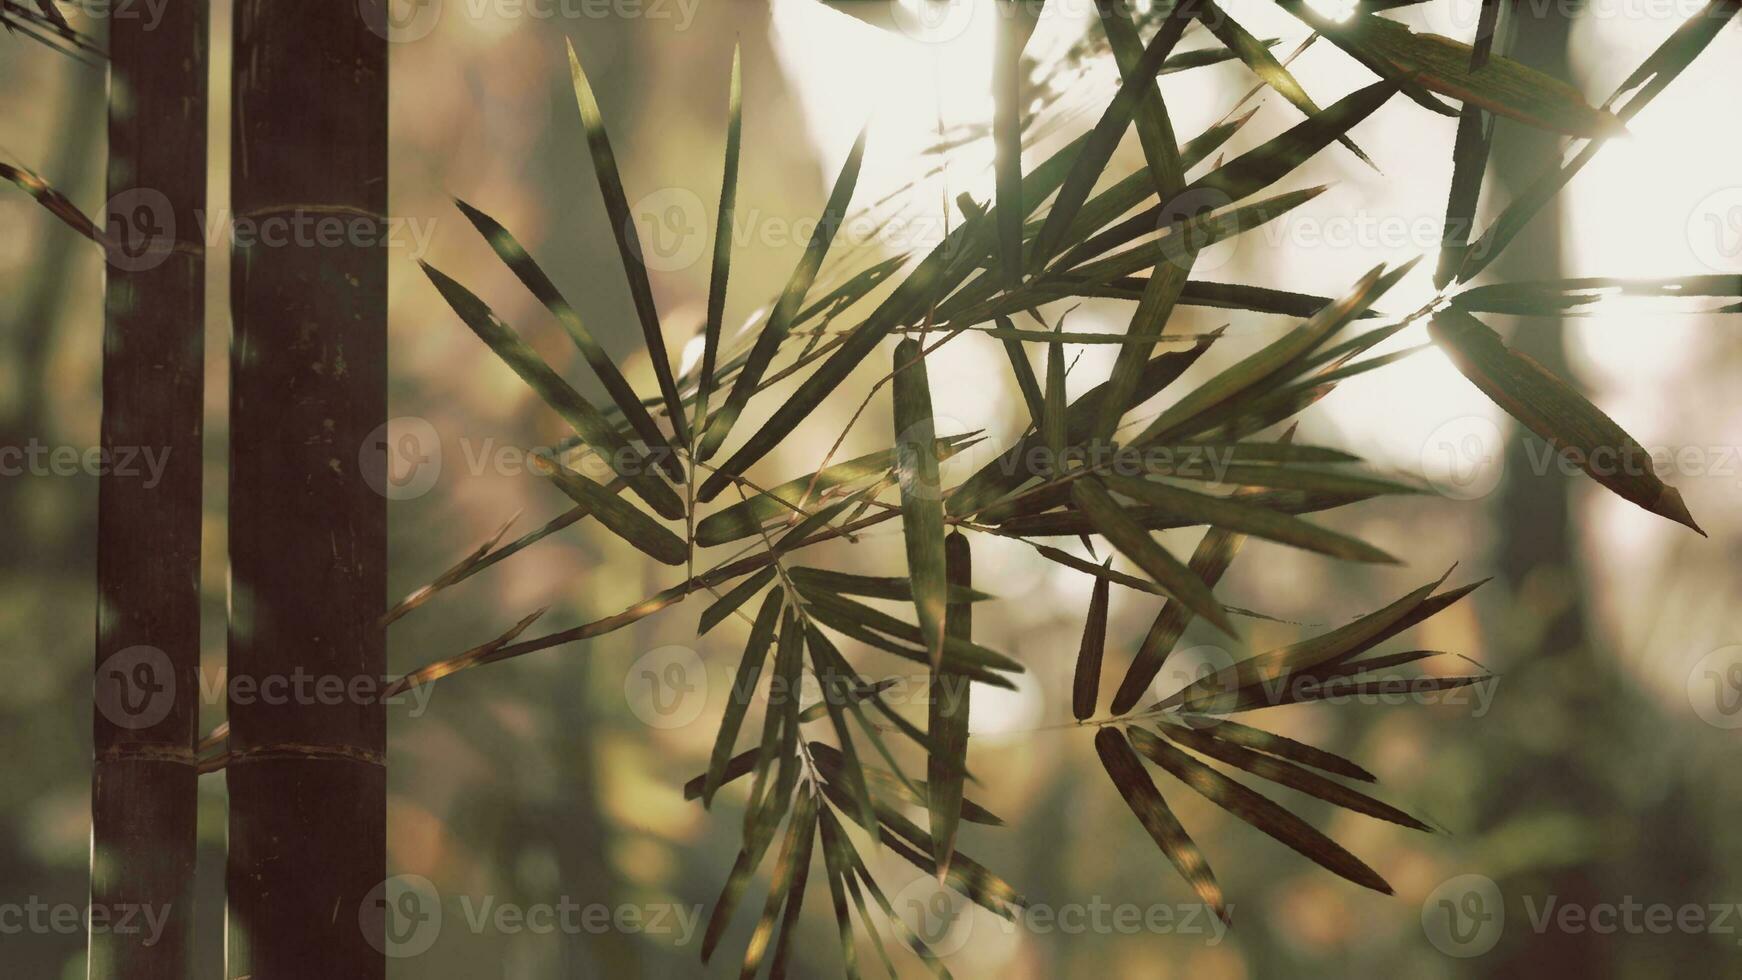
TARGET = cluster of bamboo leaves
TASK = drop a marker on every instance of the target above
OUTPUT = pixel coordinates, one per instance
(1059, 230)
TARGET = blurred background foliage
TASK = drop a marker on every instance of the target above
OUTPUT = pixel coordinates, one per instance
(1592, 774)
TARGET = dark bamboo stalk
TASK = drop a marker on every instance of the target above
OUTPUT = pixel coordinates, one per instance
(143, 784)
(307, 775)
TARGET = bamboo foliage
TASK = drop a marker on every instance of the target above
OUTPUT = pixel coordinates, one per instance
(1104, 466)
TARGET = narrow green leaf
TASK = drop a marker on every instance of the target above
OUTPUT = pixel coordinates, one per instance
(1054, 419)
(1019, 366)
(724, 230)
(579, 413)
(1502, 86)
(922, 506)
(1154, 128)
(835, 694)
(780, 320)
(1086, 684)
(948, 711)
(527, 270)
(618, 516)
(743, 690)
(729, 603)
(872, 586)
(628, 243)
(1135, 543)
(1015, 24)
(1272, 359)
(1564, 297)
(1259, 811)
(1236, 515)
(789, 874)
(1228, 730)
(1557, 412)
(1127, 772)
(1286, 774)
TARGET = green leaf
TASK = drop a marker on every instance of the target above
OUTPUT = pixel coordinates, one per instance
(840, 870)
(922, 506)
(724, 230)
(959, 654)
(628, 243)
(1011, 470)
(948, 711)
(1054, 419)
(729, 603)
(1236, 515)
(1469, 160)
(1015, 23)
(1086, 684)
(1215, 551)
(1253, 170)
(579, 413)
(1564, 297)
(836, 690)
(780, 320)
(1273, 359)
(1256, 56)
(1557, 412)
(743, 519)
(1286, 774)
(914, 942)
(512, 254)
(1154, 129)
(620, 517)
(790, 870)
(1127, 772)
(743, 689)
(1646, 82)
(1135, 543)
(872, 586)
(1097, 152)
(1501, 86)
(1019, 366)
(1230, 731)
(1259, 811)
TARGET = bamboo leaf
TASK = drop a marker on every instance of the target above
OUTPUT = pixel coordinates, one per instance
(1127, 772)
(618, 516)
(1097, 152)
(628, 242)
(1287, 774)
(1273, 359)
(1135, 543)
(527, 270)
(1259, 811)
(579, 413)
(1562, 297)
(1557, 412)
(1154, 129)
(1256, 56)
(875, 587)
(729, 603)
(1501, 85)
(840, 871)
(1016, 23)
(743, 689)
(1236, 515)
(788, 880)
(922, 506)
(1019, 366)
(1054, 420)
(835, 694)
(1230, 731)
(780, 320)
(914, 942)
(1086, 684)
(948, 712)
(724, 230)
(959, 654)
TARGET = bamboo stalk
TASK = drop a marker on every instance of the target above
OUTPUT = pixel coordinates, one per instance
(306, 774)
(144, 785)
